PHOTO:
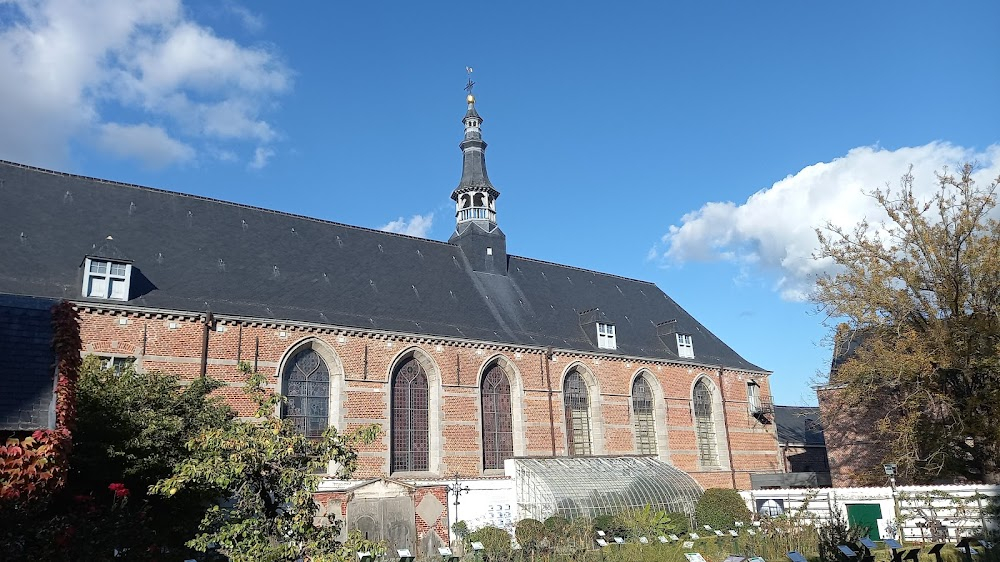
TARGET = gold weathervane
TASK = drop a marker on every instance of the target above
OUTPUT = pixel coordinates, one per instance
(468, 87)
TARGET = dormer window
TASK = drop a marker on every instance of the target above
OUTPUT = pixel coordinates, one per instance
(106, 279)
(606, 336)
(685, 346)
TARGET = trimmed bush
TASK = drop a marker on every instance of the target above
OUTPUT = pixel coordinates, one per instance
(496, 542)
(530, 534)
(721, 508)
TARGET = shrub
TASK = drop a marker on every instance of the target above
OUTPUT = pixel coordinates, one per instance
(836, 531)
(645, 522)
(496, 542)
(609, 524)
(721, 508)
(530, 534)
(680, 521)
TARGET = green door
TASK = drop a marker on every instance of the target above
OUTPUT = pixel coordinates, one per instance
(865, 515)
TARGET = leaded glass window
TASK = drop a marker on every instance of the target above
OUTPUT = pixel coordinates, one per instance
(409, 418)
(307, 391)
(498, 435)
(577, 414)
(704, 425)
(642, 411)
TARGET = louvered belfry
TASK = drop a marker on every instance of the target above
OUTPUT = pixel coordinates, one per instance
(498, 434)
(409, 418)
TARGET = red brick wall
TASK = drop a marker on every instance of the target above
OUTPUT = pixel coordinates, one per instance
(853, 447)
(173, 344)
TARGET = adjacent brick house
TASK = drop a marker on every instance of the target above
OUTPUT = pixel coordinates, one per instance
(855, 449)
(465, 354)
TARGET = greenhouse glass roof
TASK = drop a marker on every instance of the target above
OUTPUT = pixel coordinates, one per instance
(592, 486)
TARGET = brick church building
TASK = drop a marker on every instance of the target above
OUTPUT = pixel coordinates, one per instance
(467, 355)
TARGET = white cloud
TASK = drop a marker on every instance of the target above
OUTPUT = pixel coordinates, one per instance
(773, 232)
(261, 156)
(251, 21)
(152, 145)
(418, 225)
(70, 68)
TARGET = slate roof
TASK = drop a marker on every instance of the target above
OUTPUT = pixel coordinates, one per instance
(28, 368)
(792, 426)
(196, 254)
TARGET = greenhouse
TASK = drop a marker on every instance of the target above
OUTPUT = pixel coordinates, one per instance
(592, 486)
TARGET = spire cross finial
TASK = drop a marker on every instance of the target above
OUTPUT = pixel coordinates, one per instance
(468, 87)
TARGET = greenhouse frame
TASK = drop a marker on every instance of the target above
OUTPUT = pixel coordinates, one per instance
(591, 486)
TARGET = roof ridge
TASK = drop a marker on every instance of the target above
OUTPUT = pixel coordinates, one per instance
(585, 270)
(214, 200)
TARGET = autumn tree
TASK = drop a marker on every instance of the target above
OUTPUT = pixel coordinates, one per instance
(922, 290)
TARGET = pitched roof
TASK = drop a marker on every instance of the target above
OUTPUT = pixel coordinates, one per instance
(196, 254)
(26, 373)
(799, 424)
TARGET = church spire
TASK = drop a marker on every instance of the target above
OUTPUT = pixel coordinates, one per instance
(476, 230)
(475, 197)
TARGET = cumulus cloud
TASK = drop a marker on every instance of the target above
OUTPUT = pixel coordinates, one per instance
(151, 145)
(773, 232)
(418, 225)
(73, 68)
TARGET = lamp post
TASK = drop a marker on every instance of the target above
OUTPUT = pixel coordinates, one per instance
(456, 489)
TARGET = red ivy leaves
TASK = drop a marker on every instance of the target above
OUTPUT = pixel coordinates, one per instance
(33, 466)
(66, 344)
(36, 466)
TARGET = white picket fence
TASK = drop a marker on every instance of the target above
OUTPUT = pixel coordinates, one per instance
(917, 513)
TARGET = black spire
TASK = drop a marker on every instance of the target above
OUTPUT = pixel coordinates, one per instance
(476, 230)
(474, 177)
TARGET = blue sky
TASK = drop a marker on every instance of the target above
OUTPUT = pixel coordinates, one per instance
(693, 144)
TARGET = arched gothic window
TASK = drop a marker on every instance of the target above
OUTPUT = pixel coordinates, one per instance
(498, 434)
(307, 390)
(577, 414)
(409, 417)
(642, 410)
(704, 425)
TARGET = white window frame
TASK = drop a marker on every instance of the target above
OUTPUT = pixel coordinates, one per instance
(753, 397)
(606, 338)
(117, 363)
(101, 278)
(685, 346)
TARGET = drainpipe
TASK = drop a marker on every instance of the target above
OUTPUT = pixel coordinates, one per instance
(725, 421)
(548, 383)
(209, 319)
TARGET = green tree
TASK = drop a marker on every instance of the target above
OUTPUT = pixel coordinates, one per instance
(268, 473)
(922, 290)
(721, 508)
(130, 432)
